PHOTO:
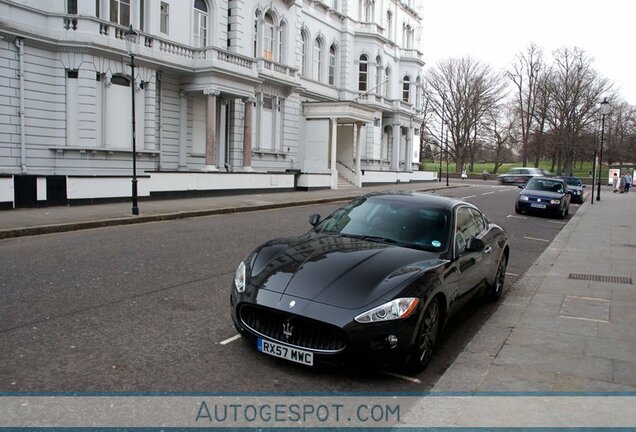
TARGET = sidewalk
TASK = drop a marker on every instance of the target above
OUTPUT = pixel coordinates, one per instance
(23, 222)
(554, 332)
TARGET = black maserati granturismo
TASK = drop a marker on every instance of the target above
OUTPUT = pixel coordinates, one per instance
(377, 279)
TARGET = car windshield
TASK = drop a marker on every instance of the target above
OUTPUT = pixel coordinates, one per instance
(546, 185)
(573, 181)
(401, 222)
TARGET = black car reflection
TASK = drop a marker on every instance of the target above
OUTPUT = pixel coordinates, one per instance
(575, 186)
(547, 195)
(377, 279)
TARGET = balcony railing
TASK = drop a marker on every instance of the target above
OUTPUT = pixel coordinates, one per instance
(369, 27)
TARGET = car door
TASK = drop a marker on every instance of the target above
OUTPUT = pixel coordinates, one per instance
(470, 264)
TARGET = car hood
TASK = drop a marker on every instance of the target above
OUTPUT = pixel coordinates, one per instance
(541, 194)
(338, 271)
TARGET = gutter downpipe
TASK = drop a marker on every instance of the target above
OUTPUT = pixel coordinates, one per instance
(19, 43)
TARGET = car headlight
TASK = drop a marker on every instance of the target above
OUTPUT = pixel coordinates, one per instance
(523, 198)
(396, 309)
(578, 192)
(239, 277)
(555, 201)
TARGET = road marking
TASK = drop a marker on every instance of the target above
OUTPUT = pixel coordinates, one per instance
(488, 193)
(402, 377)
(537, 239)
(557, 222)
(232, 339)
(511, 274)
(518, 217)
(469, 196)
(583, 319)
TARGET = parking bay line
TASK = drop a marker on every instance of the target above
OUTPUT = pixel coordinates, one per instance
(511, 274)
(402, 377)
(518, 217)
(557, 222)
(488, 193)
(469, 196)
(232, 339)
(537, 239)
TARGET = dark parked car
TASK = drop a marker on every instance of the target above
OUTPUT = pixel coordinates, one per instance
(575, 186)
(374, 281)
(519, 176)
(544, 195)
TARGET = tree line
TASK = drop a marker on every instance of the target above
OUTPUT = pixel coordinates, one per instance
(535, 110)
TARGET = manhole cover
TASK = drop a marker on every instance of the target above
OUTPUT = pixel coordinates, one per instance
(585, 308)
(601, 278)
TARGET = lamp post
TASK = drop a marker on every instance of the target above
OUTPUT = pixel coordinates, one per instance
(447, 157)
(131, 45)
(439, 177)
(605, 108)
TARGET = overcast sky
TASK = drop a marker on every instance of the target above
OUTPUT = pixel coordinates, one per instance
(495, 31)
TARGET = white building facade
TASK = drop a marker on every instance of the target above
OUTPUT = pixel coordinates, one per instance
(229, 94)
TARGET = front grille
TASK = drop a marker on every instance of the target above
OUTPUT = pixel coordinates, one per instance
(305, 333)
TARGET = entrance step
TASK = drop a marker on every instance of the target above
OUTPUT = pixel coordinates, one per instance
(343, 183)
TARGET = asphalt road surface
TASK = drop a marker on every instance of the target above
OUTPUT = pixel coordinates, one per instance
(146, 307)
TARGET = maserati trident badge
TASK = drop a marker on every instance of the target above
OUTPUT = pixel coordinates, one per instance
(287, 330)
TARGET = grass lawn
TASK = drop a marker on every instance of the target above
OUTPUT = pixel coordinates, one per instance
(580, 170)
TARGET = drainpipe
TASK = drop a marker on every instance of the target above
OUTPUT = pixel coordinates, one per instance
(19, 43)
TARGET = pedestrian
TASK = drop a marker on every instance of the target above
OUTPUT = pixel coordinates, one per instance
(621, 184)
(615, 183)
(464, 175)
(628, 182)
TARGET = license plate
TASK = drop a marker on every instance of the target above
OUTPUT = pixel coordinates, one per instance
(537, 205)
(285, 352)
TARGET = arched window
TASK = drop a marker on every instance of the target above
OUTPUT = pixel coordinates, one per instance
(387, 148)
(367, 10)
(406, 88)
(378, 75)
(363, 73)
(268, 36)
(387, 74)
(317, 59)
(418, 92)
(389, 24)
(120, 12)
(332, 65)
(303, 53)
(201, 18)
(280, 57)
(257, 18)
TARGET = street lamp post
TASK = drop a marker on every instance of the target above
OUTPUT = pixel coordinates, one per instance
(605, 107)
(131, 45)
(447, 157)
(439, 177)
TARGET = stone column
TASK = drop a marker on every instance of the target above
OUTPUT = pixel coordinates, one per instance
(409, 150)
(333, 124)
(183, 132)
(247, 133)
(210, 130)
(358, 152)
(395, 159)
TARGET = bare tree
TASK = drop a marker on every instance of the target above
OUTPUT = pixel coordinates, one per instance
(575, 89)
(467, 89)
(525, 73)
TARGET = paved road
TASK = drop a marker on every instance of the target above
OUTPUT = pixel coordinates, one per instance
(145, 307)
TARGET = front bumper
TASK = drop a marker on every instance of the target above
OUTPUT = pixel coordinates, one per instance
(530, 206)
(364, 343)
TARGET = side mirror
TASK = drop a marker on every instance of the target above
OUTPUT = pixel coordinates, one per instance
(314, 219)
(521, 186)
(475, 245)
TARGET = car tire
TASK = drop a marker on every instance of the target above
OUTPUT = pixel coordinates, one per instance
(496, 289)
(426, 338)
(517, 210)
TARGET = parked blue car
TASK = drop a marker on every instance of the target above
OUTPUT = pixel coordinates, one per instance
(546, 195)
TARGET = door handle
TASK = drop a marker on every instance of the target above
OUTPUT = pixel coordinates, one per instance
(488, 250)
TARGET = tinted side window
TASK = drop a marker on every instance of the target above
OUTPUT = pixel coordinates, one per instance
(467, 226)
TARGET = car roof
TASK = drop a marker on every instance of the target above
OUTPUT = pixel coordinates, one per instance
(428, 199)
(547, 178)
(569, 178)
